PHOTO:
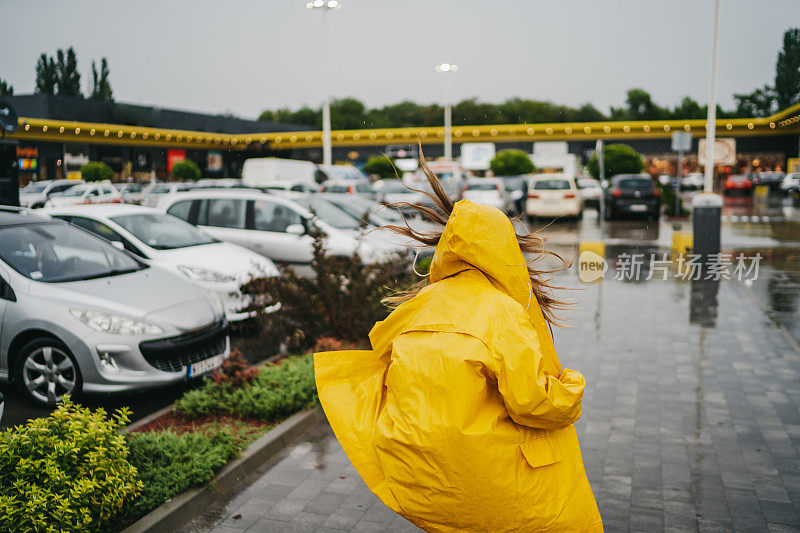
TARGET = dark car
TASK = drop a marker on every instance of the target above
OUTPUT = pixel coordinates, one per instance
(632, 194)
(771, 179)
(517, 190)
(738, 184)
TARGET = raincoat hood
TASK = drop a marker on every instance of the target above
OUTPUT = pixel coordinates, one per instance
(481, 237)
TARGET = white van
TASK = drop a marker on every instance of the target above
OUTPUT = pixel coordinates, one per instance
(276, 173)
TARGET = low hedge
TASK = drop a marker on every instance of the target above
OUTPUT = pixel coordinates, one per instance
(278, 391)
(67, 472)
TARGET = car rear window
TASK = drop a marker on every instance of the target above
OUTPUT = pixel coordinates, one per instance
(636, 183)
(482, 186)
(552, 185)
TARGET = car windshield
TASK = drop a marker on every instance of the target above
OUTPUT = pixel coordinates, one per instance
(329, 213)
(160, 189)
(395, 187)
(34, 187)
(163, 232)
(59, 252)
(482, 186)
(551, 185)
(74, 191)
(635, 183)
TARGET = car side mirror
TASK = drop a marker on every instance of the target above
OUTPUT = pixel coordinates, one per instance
(604, 184)
(118, 245)
(296, 229)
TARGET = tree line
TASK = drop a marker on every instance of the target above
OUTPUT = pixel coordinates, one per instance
(350, 113)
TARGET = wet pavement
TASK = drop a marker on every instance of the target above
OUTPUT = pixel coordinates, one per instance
(691, 417)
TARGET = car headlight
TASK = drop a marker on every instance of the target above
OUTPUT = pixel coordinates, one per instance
(115, 324)
(204, 274)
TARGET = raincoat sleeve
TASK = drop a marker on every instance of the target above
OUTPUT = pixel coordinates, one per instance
(533, 396)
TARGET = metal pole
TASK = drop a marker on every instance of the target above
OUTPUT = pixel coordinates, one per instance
(711, 118)
(678, 184)
(327, 156)
(448, 116)
(598, 149)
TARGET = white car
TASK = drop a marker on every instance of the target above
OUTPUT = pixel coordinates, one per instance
(278, 226)
(553, 195)
(693, 181)
(489, 191)
(590, 189)
(153, 193)
(221, 268)
(36, 193)
(88, 193)
(363, 187)
(791, 182)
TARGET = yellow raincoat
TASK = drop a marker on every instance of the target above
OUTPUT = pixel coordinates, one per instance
(457, 418)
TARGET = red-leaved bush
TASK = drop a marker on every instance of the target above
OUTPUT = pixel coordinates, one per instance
(235, 370)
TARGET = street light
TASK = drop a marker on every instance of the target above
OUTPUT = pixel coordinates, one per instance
(447, 68)
(324, 6)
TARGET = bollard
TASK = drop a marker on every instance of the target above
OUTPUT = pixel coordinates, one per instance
(682, 243)
(706, 221)
(761, 192)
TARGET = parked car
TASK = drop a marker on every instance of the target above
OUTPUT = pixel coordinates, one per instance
(393, 192)
(590, 190)
(693, 181)
(488, 191)
(632, 194)
(219, 183)
(277, 226)
(791, 182)
(221, 268)
(2, 405)
(553, 195)
(517, 192)
(36, 193)
(362, 187)
(153, 194)
(771, 179)
(738, 183)
(80, 315)
(343, 172)
(87, 193)
(131, 192)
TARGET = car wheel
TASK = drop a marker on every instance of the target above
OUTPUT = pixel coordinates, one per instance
(45, 371)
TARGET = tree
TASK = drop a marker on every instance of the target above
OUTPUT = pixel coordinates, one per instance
(46, 75)
(69, 79)
(759, 103)
(185, 170)
(689, 108)
(6, 89)
(101, 88)
(382, 166)
(617, 159)
(511, 163)
(787, 70)
(348, 114)
(96, 171)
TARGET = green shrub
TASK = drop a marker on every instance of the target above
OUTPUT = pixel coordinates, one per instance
(382, 166)
(279, 390)
(668, 199)
(511, 163)
(67, 472)
(96, 171)
(169, 463)
(185, 170)
(617, 159)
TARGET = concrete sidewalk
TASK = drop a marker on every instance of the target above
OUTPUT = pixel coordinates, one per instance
(690, 422)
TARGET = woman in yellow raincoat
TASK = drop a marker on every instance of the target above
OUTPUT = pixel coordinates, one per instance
(460, 418)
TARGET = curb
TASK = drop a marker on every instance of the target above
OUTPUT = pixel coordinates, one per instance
(183, 507)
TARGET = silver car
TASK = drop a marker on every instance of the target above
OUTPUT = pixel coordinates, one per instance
(79, 315)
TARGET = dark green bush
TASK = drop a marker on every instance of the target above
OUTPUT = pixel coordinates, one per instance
(278, 391)
(382, 166)
(96, 171)
(668, 199)
(67, 472)
(617, 159)
(185, 170)
(511, 163)
(169, 463)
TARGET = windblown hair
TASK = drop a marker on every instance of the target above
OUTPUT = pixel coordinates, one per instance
(531, 244)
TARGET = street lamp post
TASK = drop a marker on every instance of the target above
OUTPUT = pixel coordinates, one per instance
(448, 69)
(324, 6)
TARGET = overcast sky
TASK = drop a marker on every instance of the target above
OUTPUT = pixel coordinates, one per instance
(248, 55)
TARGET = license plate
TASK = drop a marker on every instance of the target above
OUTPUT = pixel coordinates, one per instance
(550, 202)
(638, 207)
(205, 366)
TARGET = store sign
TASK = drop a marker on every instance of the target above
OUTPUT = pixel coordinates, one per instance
(175, 156)
(141, 161)
(214, 161)
(25, 164)
(477, 156)
(724, 152)
(75, 160)
(28, 152)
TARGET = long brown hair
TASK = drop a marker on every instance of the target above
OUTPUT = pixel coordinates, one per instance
(529, 243)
